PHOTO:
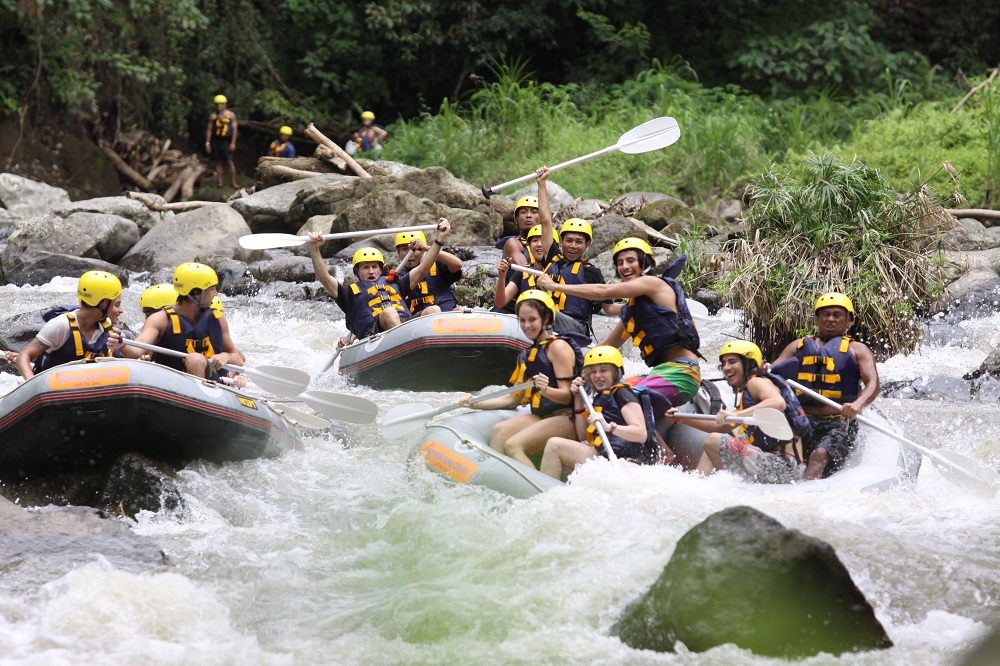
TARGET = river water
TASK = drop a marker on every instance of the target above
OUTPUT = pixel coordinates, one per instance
(343, 553)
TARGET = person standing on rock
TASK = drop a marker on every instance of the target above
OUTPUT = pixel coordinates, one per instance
(282, 146)
(372, 303)
(369, 137)
(220, 140)
(839, 368)
(191, 325)
(79, 334)
(436, 292)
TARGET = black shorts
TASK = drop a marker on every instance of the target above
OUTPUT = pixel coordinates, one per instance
(220, 150)
(836, 436)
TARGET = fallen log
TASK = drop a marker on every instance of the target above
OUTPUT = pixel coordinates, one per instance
(326, 154)
(294, 174)
(319, 138)
(159, 206)
(124, 169)
(652, 233)
(978, 213)
(993, 75)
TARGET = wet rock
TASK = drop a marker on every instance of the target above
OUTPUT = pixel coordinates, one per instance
(136, 483)
(990, 366)
(969, 235)
(942, 334)
(670, 216)
(741, 577)
(67, 536)
(610, 229)
(39, 267)
(730, 210)
(937, 387)
(558, 196)
(285, 269)
(975, 294)
(710, 299)
(986, 389)
(266, 211)
(18, 330)
(210, 230)
(23, 197)
(632, 202)
(89, 235)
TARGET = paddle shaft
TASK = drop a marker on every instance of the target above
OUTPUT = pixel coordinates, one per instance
(487, 191)
(333, 358)
(612, 456)
(177, 354)
(375, 232)
(779, 430)
(424, 416)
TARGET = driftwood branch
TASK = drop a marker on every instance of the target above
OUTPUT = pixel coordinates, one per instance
(159, 207)
(319, 138)
(289, 172)
(326, 154)
(124, 169)
(993, 75)
(653, 233)
(978, 213)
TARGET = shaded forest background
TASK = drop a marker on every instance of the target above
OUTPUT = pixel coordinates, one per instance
(450, 78)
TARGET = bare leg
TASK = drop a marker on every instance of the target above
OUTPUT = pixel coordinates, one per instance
(711, 459)
(817, 462)
(388, 318)
(218, 174)
(429, 310)
(195, 364)
(531, 440)
(667, 456)
(505, 429)
(232, 173)
(561, 452)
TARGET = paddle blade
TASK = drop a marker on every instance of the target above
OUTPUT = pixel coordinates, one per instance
(300, 418)
(402, 420)
(965, 471)
(341, 407)
(772, 422)
(698, 311)
(653, 135)
(271, 241)
(281, 381)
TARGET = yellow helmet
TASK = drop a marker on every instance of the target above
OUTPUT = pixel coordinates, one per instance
(217, 304)
(604, 354)
(536, 295)
(191, 275)
(367, 115)
(537, 231)
(579, 226)
(835, 298)
(743, 348)
(530, 202)
(367, 254)
(406, 237)
(285, 129)
(220, 99)
(632, 243)
(158, 296)
(95, 286)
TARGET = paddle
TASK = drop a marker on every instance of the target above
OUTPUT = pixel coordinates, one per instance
(612, 456)
(958, 468)
(649, 136)
(404, 419)
(771, 421)
(341, 406)
(271, 241)
(284, 382)
(698, 311)
(333, 357)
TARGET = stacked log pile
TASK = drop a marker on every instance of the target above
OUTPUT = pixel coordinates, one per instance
(153, 166)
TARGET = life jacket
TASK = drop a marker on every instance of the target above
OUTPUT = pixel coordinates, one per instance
(203, 337)
(365, 139)
(829, 368)
(534, 360)
(654, 328)
(222, 123)
(279, 148)
(605, 402)
(569, 272)
(75, 348)
(433, 290)
(370, 298)
(794, 413)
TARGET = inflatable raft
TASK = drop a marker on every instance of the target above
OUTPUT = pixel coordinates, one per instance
(450, 351)
(458, 448)
(83, 416)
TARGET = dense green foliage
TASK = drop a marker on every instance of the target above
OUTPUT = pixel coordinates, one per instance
(839, 227)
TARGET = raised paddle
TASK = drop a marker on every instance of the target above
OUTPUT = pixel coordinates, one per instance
(647, 137)
(341, 406)
(271, 241)
(771, 421)
(958, 468)
(281, 381)
(612, 456)
(404, 419)
(698, 311)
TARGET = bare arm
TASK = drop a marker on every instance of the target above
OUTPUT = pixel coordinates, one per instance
(869, 376)
(616, 338)
(453, 263)
(27, 356)
(232, 145)
(544, 209)
(208, 131)
(787, 353)
(765, 393)
(641, 286)
(319, 266)
(421, 269)
(231, 355)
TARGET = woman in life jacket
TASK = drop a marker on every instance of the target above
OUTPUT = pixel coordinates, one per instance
(617, 408)
(552, 362)
(750, 453)
(529, 211)
(510, 283)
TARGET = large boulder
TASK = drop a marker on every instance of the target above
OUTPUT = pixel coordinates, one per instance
(89, 235)
(266, 210)
(39, 267)
(23, 197)
(558, 196)
(942, 388)
(209, 230)
(975, 294)
(609, 229)
(671, 216)
(741, 577)
(969, 235)
(130, 209)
